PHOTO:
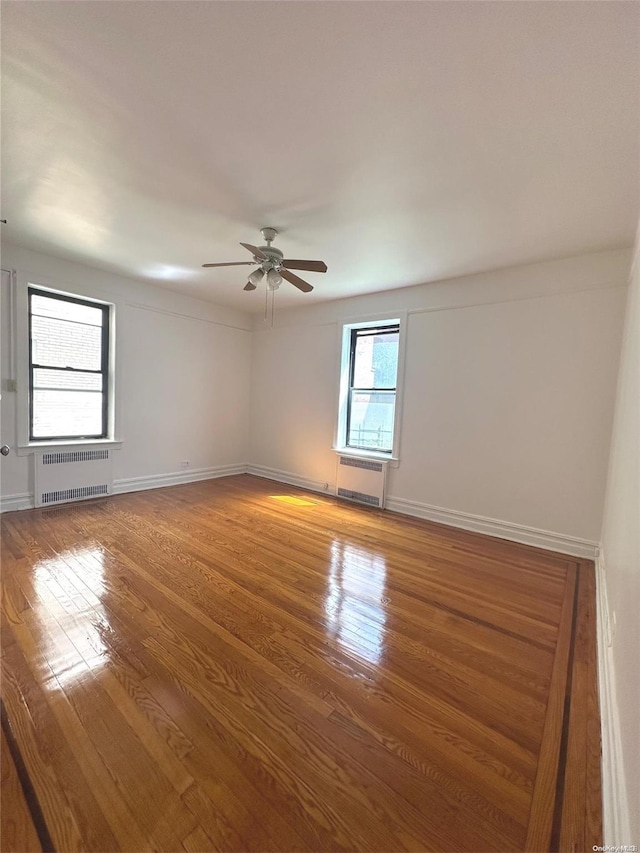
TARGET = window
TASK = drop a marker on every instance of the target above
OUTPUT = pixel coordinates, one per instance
(371, 396)
(68, 367)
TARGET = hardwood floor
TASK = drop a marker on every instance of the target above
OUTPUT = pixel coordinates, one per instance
(241, 665)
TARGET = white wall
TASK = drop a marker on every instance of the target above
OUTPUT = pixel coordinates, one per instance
(182, 373)
(621, 564)
(508, 399)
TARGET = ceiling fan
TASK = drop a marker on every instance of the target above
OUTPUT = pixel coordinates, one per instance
(271, 263)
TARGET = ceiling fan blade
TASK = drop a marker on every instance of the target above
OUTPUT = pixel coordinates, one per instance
(258, 253)
(302, 285)
(233, 264)
(249, 286)
(312, 266)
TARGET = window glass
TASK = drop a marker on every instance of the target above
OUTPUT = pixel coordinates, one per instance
(371, 421)
(63, 309)
(376, 361)
(60, 343)
(66, 413)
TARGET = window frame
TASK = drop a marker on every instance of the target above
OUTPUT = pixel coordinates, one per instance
(104, 363)
(18, 308)
(356, 333)
(344, 329)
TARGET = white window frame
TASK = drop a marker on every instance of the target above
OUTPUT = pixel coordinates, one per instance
(344, 334)
(20, 324)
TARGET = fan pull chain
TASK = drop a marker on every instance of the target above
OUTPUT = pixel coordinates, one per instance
(266, 303)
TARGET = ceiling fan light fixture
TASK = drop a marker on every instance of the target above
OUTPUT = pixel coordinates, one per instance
(256, 276)
(274, 279)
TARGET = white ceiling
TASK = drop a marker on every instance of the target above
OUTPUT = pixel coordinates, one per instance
(400, 142)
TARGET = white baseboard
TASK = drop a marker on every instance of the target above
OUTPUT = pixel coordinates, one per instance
(290, 479)
(615, 805)
(13, 503)
(492, 527)
(159, 481)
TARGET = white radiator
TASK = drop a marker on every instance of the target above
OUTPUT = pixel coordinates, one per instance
(72, 475)
(361, 480)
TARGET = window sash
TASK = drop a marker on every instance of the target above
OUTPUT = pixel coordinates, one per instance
(65, 378)
(358, 446)
(65, 343)
(103, 371)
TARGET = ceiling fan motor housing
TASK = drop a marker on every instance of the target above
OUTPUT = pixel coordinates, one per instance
(274, 257)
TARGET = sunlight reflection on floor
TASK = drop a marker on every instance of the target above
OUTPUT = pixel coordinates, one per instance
(354, 603)
(72, 619)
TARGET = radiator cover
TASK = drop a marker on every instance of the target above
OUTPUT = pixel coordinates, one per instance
(361, 480)
(72, 475)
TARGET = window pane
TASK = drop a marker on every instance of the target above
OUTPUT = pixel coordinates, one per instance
(46, 306)
(62, 344)
(376, 361)
(67, 379)
(371, 421)
(66, 413)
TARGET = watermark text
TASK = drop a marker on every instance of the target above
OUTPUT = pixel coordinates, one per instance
(616, 848)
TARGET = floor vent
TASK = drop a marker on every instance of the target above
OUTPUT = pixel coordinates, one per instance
(62, 457)
(361, 480)
(368, 464)
(372, 500)
(72, 475)
(74, 494)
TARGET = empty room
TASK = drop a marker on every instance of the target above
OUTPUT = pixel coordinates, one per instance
(320, 425)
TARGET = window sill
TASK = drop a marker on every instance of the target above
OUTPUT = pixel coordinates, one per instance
(368, 454)
(35, 447)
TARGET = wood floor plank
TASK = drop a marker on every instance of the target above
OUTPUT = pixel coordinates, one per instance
(579, 822)
(61, 822)
(17, 831)
(209, 667)
(124, 757)
(403, 620)
(256, 807)
(198, 841)
(86, 762)
(290, 757)
(593, 805)
(157, 627)
(525, 715)
(266, 545)
(527, 724)
(544, 794)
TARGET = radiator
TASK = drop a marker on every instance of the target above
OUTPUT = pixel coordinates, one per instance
(361, 480)
(72, 475)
